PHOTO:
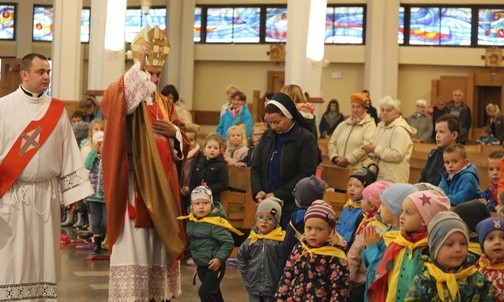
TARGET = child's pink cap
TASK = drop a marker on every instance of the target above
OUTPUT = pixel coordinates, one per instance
(372, 192)
(429, 203)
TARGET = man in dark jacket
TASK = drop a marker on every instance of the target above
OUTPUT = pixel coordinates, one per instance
(462, 111)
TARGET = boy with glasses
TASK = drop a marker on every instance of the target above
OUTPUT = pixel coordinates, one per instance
(259, 254)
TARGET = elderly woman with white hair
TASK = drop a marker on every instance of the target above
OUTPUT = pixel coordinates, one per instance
(392, 145)
(422, 122)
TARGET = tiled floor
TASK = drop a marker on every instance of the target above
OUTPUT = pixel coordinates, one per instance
(84, 281)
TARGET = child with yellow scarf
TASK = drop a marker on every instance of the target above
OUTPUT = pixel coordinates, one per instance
(316, 270)
(401, 260)
(259, 255)
(449, 273)
(210, 241)
(491, 263)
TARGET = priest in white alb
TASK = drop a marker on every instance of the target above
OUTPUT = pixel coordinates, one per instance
(40, 169)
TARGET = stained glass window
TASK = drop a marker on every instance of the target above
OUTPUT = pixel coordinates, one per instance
(345, 25)
(400, 33)
(197, 24)
(135, 20)
(85, 25)
(276, 24)
(7, 21)
(491, 26)
(43, 23)
(440, 26)
(233, 25)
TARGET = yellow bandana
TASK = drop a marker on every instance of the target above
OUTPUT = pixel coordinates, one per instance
(475, 248)
(372, 221)
(277, 234)
(394, 272)
(450, 279)
(485, 264)
(212, 220)
(390, 236)
(411, 246)
(324, 250)
(351, 203)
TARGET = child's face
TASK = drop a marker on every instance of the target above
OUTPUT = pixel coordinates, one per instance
(444, 136)
(265, 222)
(494, 172)
(454, 162)
(236, 102)
(316, 231)
(453, 252)
(235, 138)
(410, 219)
(96, 127)
(76, 120)
(367, 207)
(256, 136)
(99, 147)
(212, 149)
(354, 188)
(192, 141)
(386, 216)
(494, 245)
(201, 207)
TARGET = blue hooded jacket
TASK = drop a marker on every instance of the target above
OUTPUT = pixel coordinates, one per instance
(463, 187)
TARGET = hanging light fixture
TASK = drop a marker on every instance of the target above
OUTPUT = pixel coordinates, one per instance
(316, 30)
(114, 27)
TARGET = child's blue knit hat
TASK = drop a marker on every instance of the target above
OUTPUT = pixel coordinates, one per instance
(393, 196)
(486, 226)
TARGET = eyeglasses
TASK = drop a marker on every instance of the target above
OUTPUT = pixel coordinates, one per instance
(267, 219)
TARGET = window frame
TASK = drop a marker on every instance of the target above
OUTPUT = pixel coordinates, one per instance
(262, 23)
(473, 31)
(15, 20)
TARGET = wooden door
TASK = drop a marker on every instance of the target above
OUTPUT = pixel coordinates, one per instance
(276, 80)
(10, 76)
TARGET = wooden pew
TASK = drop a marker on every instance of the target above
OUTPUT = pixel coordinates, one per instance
(479, 159)
(337, 200)
(336, 177)
(323, 146)
(237, 201)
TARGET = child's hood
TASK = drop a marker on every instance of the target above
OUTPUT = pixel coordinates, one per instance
(471, 169)
(218, 211)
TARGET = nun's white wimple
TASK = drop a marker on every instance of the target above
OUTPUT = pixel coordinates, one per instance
(281, 107)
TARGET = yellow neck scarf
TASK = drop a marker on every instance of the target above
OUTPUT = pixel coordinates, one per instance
(277, 234)
(411, 246)
(394, 272)
(475, 248)
(485, 264)
(212, 220)
(324, 250)
(351, 203)
(450, 279)
(390, 236)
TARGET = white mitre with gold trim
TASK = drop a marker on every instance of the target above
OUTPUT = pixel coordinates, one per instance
(160, 46)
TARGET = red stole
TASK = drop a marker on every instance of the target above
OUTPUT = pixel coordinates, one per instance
(27, 144)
